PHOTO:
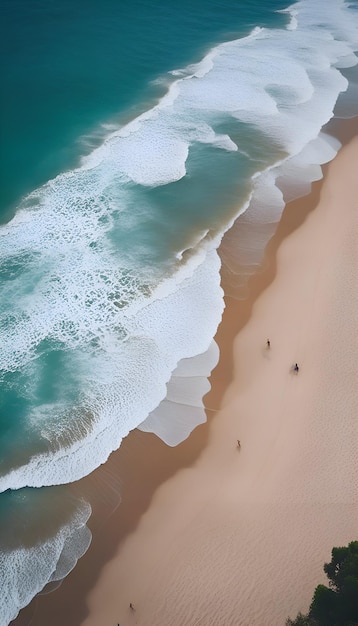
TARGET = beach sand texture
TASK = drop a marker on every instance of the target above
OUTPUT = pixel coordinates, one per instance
(240, 537)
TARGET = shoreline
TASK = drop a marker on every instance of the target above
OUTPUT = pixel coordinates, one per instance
(275, 508)
(156, 464)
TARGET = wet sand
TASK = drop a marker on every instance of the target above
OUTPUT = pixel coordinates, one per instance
(210, 534)
(241, 536)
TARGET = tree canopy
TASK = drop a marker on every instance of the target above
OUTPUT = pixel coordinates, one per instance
(337, 604)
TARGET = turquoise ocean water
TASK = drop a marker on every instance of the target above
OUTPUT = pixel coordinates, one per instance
(133, 134)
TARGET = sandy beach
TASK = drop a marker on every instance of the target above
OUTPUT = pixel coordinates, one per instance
(211, 534)
(240, 537)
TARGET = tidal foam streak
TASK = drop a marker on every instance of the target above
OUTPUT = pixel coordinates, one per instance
(31, 557)
(92, 290)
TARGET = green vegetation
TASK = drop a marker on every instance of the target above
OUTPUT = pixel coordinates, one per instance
(336, 605)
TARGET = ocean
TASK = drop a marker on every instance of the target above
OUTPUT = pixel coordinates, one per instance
(137, 138)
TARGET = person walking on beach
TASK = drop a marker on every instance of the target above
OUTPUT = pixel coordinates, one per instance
(268, 344)
(296, 368)
(238, 443)
(131, 606)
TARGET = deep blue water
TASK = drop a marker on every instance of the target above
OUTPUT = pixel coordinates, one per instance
(69, 66)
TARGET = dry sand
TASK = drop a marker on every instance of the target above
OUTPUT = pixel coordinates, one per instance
(240, 536)
(144, 463)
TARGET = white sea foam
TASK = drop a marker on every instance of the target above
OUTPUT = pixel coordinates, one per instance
(295, 175)
(243, 246)
(285, 81)
(24, 571)
(124, 326)
(182, 409)
(126, 380)
(292, 25)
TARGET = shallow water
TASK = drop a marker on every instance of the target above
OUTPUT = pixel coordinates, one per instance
(145, 133)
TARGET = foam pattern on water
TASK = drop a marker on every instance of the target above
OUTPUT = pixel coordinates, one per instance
(118, 378)
(285, 81)
(182, 409)
(26, 569)
(84, 275)
(243, 246)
